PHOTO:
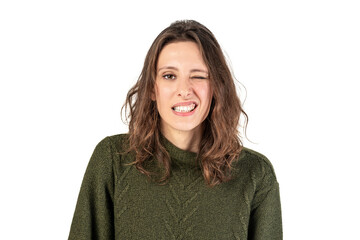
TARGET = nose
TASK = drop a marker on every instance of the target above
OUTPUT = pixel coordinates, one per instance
(185, 93)
(185, 88)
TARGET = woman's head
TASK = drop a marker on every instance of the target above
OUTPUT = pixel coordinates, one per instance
(208, 86)
(182, 90)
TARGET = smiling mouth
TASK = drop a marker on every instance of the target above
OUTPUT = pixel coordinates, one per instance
(184, 109)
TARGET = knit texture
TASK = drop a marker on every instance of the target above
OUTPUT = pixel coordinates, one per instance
(116, 201)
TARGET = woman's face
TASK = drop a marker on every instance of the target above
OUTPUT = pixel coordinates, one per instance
(182, 88)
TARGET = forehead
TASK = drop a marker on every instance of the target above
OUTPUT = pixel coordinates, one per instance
(181, 54)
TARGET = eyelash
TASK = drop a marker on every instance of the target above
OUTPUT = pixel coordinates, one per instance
(199, 77)
(172, 77)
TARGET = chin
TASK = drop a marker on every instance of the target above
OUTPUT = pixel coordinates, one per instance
(187, 128)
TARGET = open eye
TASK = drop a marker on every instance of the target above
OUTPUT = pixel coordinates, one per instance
(169, 76)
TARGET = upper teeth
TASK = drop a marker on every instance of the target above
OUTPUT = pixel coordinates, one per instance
(185, 108)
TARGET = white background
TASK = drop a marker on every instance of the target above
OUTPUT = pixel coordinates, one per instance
(66, 66)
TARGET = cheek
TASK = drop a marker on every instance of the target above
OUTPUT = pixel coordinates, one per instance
(205, 92)
(163, 94)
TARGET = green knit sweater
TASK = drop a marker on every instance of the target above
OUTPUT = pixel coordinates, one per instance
(116, 201)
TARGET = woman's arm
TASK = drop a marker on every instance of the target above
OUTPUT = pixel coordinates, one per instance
(94, 217)
(265, 219)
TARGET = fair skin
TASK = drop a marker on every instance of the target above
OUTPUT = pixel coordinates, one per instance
(182, 94)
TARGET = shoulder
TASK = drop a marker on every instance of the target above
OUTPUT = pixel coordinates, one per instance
(255, 164)
(110, 148)
(256, 170)
(111, 154)
(256, 159)
(119, 147)
(119, 142)
(111, 144)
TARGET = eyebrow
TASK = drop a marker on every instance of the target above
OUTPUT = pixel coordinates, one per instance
(175, 68)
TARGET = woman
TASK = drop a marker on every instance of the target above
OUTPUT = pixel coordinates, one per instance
(181, 172)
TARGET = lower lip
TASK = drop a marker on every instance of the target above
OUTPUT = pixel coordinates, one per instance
(184, 114)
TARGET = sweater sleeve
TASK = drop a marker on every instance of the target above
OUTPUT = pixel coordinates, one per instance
(265, 219)
(93, 217)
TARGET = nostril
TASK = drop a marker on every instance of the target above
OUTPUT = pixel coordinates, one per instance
(184, 92)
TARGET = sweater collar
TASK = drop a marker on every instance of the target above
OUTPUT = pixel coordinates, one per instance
(177, 154)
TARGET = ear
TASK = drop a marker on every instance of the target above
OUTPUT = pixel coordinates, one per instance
(152, 95)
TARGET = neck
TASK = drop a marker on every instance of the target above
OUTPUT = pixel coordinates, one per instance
(185, 140)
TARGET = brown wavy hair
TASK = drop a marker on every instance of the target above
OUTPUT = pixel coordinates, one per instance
(220, 144)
